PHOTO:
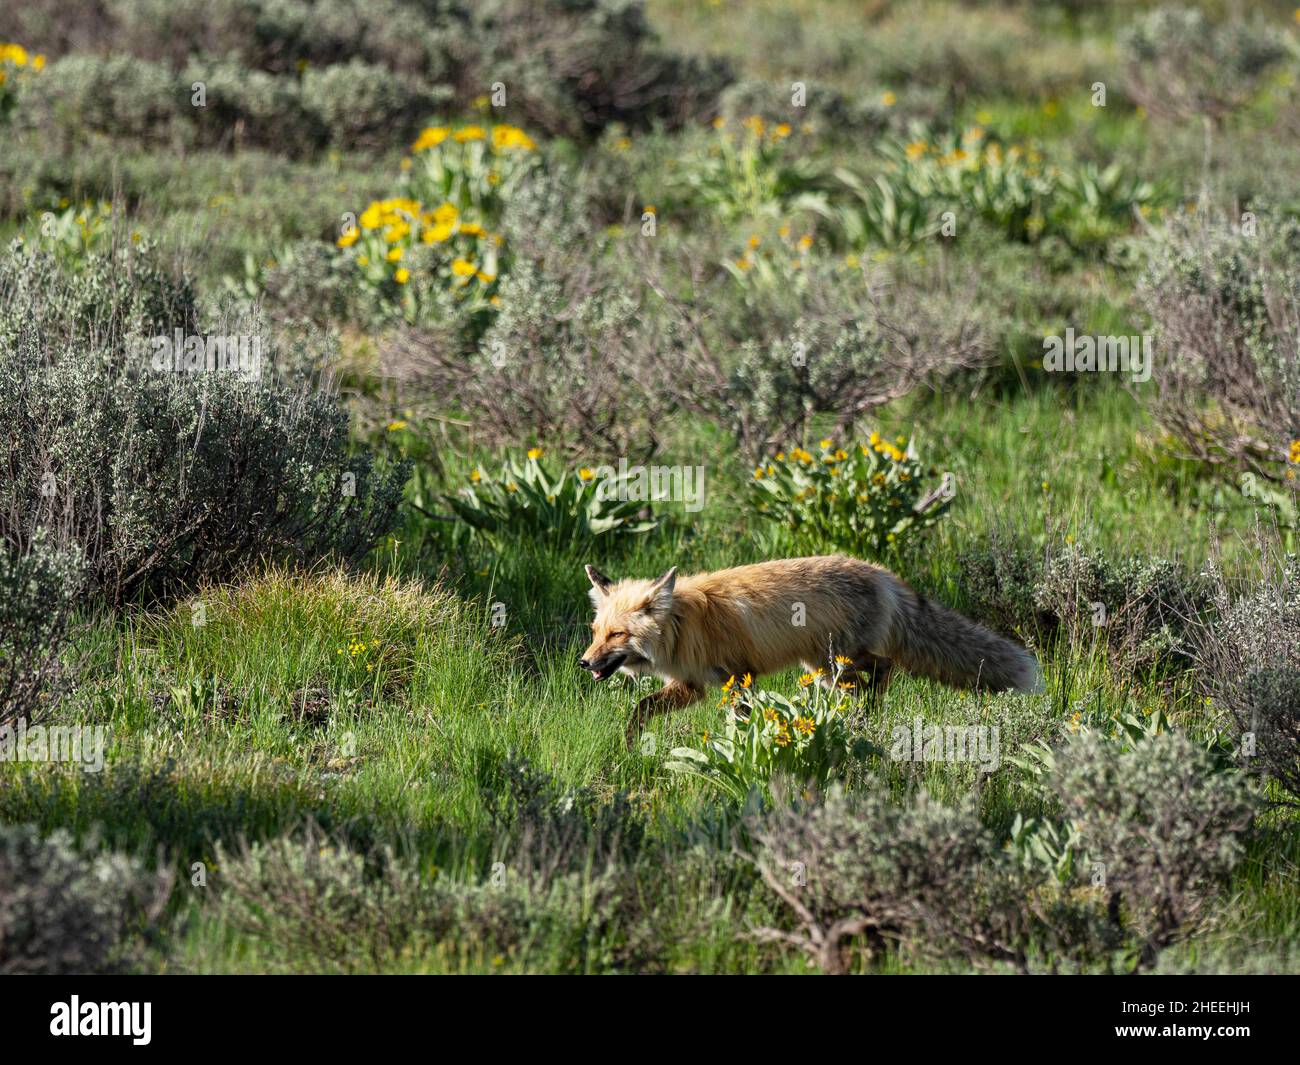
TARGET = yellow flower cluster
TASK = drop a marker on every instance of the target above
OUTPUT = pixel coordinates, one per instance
(779, 251)
(882, 446)
(401, 221)
(20, 57)
(969, 154)
(759, 128)
(732, 692)
(503, 138)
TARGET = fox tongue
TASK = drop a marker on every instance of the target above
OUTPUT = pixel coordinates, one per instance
(595, 674)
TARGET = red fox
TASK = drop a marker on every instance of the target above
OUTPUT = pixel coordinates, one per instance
(699, 630)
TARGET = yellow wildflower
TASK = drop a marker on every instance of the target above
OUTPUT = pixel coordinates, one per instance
(430, 138)
(505, 138)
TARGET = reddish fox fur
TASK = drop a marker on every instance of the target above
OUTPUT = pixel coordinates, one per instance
(699, 630)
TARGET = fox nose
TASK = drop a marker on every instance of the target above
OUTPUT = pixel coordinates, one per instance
(583, 664)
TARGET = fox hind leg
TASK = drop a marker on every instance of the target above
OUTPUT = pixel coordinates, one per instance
(869, 674)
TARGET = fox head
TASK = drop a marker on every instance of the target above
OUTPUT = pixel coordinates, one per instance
(628, 631)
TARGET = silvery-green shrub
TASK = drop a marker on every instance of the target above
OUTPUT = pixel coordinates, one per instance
(1223, 295)
(1249, 658)
(161, 479)
(1140, 608)
(1182, 63)
(915, 875)
(37, 588)
(1159, 823)
(362, 105)
(66, 909)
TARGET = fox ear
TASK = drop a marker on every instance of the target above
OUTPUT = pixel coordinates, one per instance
(661, 592)
(598, 580)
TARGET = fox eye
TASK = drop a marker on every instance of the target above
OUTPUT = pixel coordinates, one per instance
(616, 635)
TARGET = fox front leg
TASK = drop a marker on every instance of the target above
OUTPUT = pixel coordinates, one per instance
(672, 696)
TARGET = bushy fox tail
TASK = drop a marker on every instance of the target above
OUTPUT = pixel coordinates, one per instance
(931, 640)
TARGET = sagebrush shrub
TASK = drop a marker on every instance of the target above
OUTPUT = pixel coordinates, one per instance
(570, 354)
(825, 109)
(854, 346)
(572, 67)
(545, 829)
(1249, 659)
(317, 906)
(1183, 65)
(575, 66)
(1160, 826)
(1000, 579)
(562, 884)
(354, 105)
(115, 95)
(1141, 608)
(278, 35)
(163, 479)
(311, 280)
(67, 910)
(320, 908)
(917, 875)
(1224, 299)
(37, 588)
(362, 105)
(243, 107)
